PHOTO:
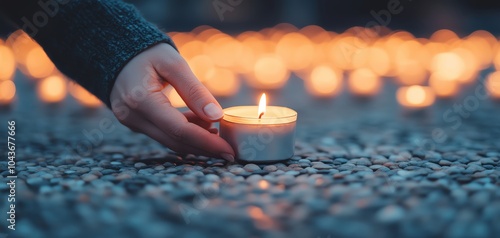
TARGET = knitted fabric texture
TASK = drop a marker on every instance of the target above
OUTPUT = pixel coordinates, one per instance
(90, 41)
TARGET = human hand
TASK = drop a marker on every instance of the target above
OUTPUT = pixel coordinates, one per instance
(138, 102)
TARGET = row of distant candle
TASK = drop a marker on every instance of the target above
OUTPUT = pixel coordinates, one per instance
(266, 60)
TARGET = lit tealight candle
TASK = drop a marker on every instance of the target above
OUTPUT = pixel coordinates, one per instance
(260, 133)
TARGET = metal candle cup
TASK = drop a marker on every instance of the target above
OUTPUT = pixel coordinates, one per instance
(266, 139)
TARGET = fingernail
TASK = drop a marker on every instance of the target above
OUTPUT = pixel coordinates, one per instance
(213, 111)
(227, 157)
(213, 130)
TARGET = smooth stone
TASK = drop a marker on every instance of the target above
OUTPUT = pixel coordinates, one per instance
(89, 177)
(123, 176)
(398, 158)
(341, 160)
(437, 175)
(445, 162)
(472, 168)
(292, 172)
(270, 168)
(390, 214)
(310, 170)
(406, 174)
(378, 159)
(320, 165)
(159, 167)
(487, 161)
(361, 161)
(237, 170)
(431, 165)
(108, 171)
(433, 156)
(455, 170)
(36, 181)
(251, 167)
(140, 165)
(403, 165)
(85, 162)
(304, 161)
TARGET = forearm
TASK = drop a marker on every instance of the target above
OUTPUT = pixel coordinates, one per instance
(88, 40)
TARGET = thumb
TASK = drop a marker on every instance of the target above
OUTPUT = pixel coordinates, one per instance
(176, 71)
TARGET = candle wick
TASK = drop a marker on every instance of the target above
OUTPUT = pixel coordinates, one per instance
(261, 114)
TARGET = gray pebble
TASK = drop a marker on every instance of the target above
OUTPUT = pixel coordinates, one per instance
(237, 171)
(36, 181)
(140, 165)
(431, 165)
(445, 162)
(310, 170)
(270, 168)
(251, 167)
(89, 177)
(320, 165)
(487, 161)
(437, 175)
(390, 214)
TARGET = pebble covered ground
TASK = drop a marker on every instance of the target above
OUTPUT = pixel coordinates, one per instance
(374, 171)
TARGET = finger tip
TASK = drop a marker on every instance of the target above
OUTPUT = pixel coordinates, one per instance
(213, 112)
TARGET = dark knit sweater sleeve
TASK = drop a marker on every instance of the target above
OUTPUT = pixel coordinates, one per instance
(88, 40)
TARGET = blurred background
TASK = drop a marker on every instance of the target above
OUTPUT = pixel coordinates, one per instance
(406, 53)
(421, 17)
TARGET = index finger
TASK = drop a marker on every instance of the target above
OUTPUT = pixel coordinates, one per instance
(158, 110)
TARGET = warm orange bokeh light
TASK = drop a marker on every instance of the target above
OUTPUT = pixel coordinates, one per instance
(296, 50)
(192, 48)
(444, 36)
(449, 65)
(222, 82)
(324, 81)
(263, 184)
(52, 89)
(269, 72)
(261, 220)
(7, 92)
(83, 96)
(224, 51)
(201, 65)
(496, 59)
(442, 86)
(364, 82)
(21, 44)
(378, 61)
(410, 72)
(174, 97)
(480, 48)
(415, 96)
(7, 63)
(493, 84)
(472, 65)
(38, 63)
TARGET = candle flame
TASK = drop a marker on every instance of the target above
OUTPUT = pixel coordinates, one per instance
(262, 105)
